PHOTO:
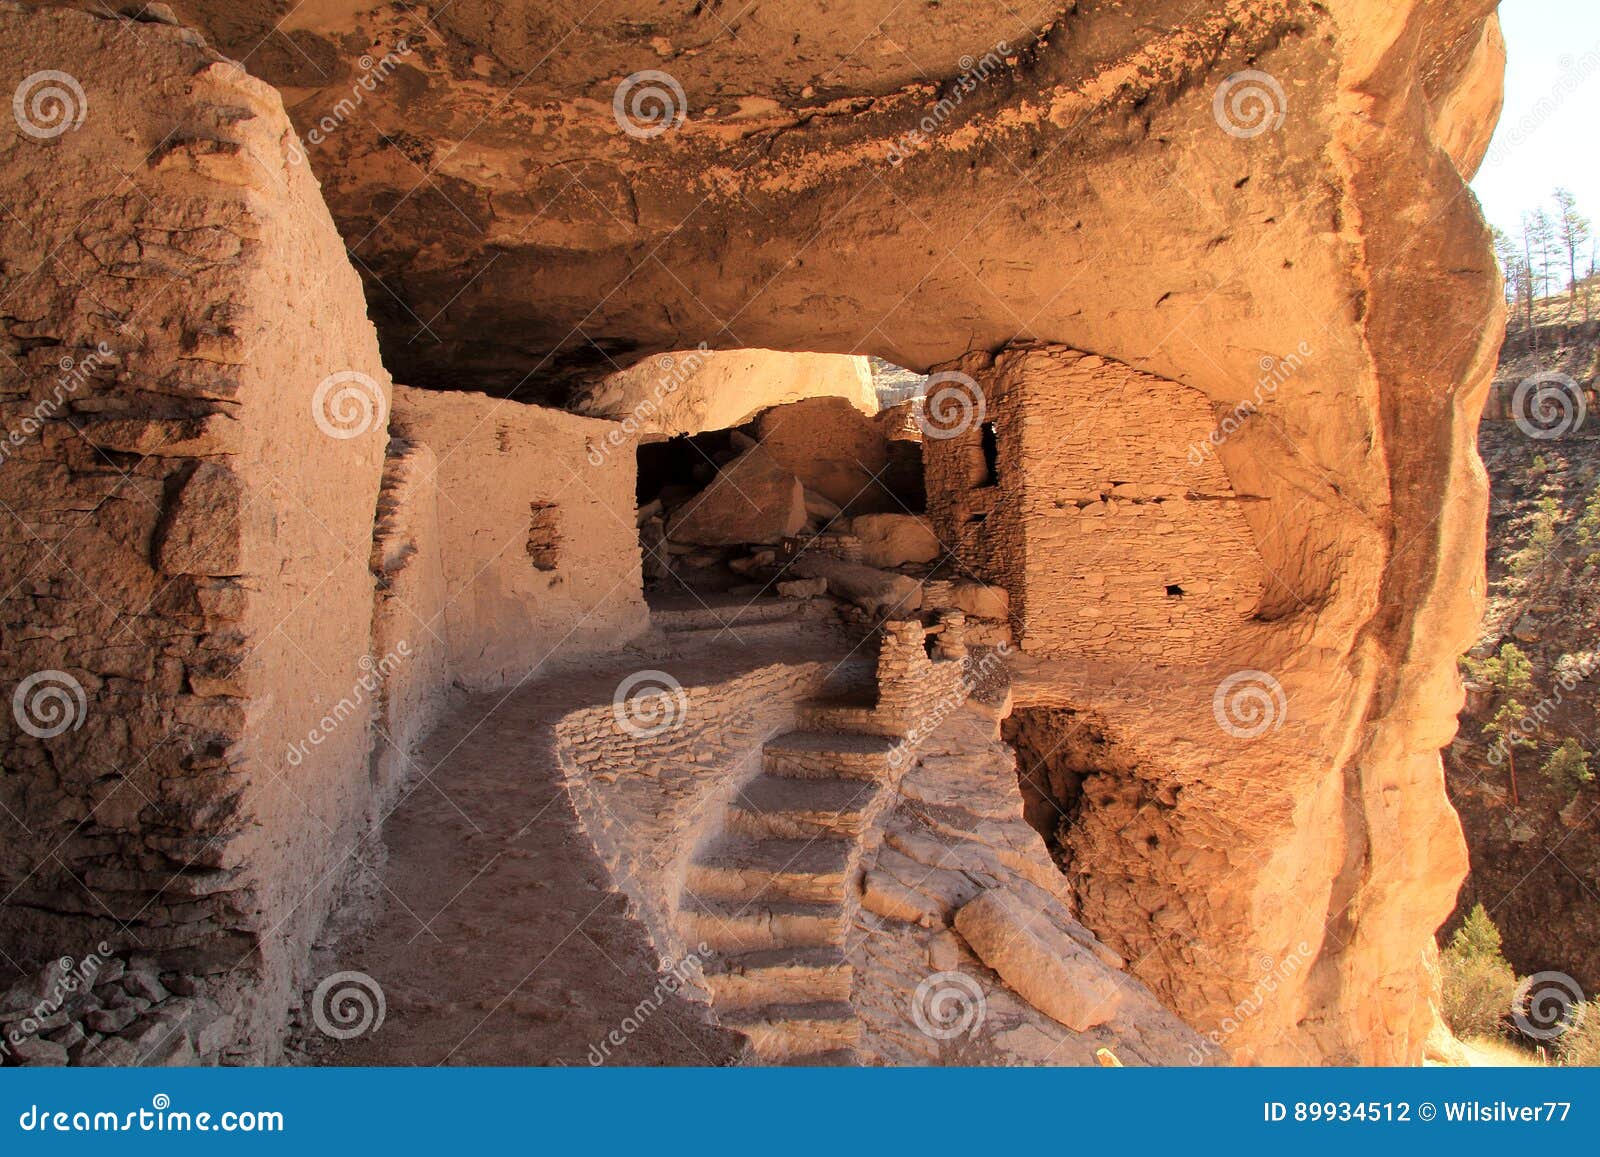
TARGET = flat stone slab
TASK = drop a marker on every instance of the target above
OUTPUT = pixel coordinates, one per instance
(1040, 962)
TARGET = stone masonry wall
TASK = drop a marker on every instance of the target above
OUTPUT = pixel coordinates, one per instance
(1114, 535)
(411, 655)
(539, 544)
(185, 522)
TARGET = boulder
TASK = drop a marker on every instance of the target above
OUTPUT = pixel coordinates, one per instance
(833, 448)
(870, 589)
(803, 588)
(819, 507)
(752, 500)
(37, 1052)
(896, 539)
(981, 601)
(1039, 961)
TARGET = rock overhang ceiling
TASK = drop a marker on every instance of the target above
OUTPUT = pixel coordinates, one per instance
(913, 181)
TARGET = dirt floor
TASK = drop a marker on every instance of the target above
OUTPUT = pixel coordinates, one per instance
(493, 928)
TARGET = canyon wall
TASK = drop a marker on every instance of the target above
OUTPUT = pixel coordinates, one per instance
(1183, 190)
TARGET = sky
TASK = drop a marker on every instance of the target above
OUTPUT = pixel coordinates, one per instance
(1549, 134)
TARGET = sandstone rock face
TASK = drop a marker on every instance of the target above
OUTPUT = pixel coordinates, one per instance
(691, 391)
(751, 500)
(1315, 540)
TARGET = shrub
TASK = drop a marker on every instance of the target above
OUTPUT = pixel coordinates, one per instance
(1589, 524)
(1477, 995)
(1479, 983)
(1580, 1044)
(1508, 671)
(1568, 767)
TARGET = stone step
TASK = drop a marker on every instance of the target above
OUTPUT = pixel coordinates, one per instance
(778, 1032)
(740, 613)
(735, 867)
(828, 755)
(779, 976)
(837, 717)
(774, 806)
(747, 925)
(766, 631)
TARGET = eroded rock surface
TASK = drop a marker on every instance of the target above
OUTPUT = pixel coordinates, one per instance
(954, 189)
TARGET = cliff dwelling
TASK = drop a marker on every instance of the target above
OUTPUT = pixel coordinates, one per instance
(929, 535)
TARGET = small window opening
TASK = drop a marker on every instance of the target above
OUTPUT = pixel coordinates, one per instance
(991, 454)
(1174, 591)
(544, 536)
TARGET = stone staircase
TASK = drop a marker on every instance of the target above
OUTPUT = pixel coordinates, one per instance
(773, 894)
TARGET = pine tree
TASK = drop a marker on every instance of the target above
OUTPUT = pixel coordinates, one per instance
(1477, 938)
(1573, 232)
(1510, 673)
(1539, 246)
(1568, 767)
